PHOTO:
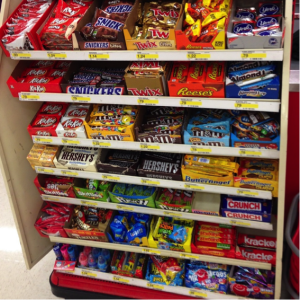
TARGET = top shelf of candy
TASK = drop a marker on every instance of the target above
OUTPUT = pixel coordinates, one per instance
(106, 30)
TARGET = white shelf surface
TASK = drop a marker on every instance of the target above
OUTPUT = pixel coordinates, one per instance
(161, 212)
(156, 251)
(159, 147)
(197, 293)
(184, 185)
(173, 55)
(270, 105)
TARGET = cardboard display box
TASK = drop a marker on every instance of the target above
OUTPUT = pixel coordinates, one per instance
(206, 204)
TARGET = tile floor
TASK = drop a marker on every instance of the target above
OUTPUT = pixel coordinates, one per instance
(16, 282)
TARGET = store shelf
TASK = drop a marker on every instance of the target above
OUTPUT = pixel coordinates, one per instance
(156, 251)
(158, 147)
(160, 212)
(173, 55)
(198, 293)
(270, 105)
(157, 182)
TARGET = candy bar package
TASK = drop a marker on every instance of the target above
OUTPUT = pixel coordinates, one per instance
(197, 79)
(160, 166)
(19, 31)
(89, 223)
(37, 76)
(203, 25)
(259, 130)
(207, 127)
(118, 162)
(55, 185)
(253, 79)
(256, 24)
(147, 78)
(160, 125)
(151, 25)
(133, 194)
(129, 228)
(246, 208)
(77, 158)
(171, 234)
(175, 200)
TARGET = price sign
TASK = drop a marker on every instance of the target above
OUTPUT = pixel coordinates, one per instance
(101, 144)
(147, 102)
(88, 203)
(147, 56)
(200, 149)
(190, 103)
(194, 187)
(149, 147)
(20, 55)
(239, 223)
(30, 97)
(247, 193)
(120, 279)
(98, 56)
(245, 106)
(250, 153)
(69, 173)
(50, 198)
(151, 251)
(253, 56)
(155, 286)
(124, 207)
(80, 98)
(88, 273)
(172, 214)
(44, 170)
(198, 56)
(111, 178)
(56, 55)
(188, 256)
(149, 182)
(70, 142)
(42, 140)
(198, 294)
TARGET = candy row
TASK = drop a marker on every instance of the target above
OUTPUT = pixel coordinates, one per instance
(150, 78)
(162, 270)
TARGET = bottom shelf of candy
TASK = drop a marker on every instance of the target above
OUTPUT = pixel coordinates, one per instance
(166, 274)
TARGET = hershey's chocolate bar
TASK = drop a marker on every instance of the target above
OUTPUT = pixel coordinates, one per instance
(127, 156)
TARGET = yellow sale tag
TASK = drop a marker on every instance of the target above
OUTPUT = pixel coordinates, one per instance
(155, 286)
(69, 173)
(71, 142)
(42, 140)
(80, 98)
(29, 96)
(88, 203)
(172, 214)
(49, 198)
(147, 56)
(145, 181)
(239, 223)
(254, 55)
(57, 55)
(20, 55)
(124, 207)
(146, 101)
(190, 103)
(43, 170)
(149, 147)
(198, 55)
(101, 144)
(247, 193)
(196, 149)
(150, 251)
(245, 105)
(120, 279)
(251, 153)
(98, 56)
(188, 256)
(88, 273)
(198, 294)
(109, 177)
(194, 187)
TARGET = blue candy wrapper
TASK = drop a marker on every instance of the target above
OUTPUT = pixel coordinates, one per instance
(136, 233)
(179, 234)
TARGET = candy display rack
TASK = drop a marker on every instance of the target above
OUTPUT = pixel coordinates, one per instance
(15, 144)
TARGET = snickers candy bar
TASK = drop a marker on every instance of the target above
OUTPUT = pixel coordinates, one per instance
(110, 75)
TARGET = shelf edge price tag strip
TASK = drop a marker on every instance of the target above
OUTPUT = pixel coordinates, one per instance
(149, 147)
(245, 105)
(95, 56)
(88, 273)
(72, 142)
(147, 56)
(155, 286)
(246, 55)
(101, 144)
(42, 140)
(109, 177)
(29, 96)
(148, 101)
(87, 203)
(124, 207)
(200, 56)
(80, 98)
(197, 294)
(190, 103)
(250, 153)
(56, 55)
(120, 279)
